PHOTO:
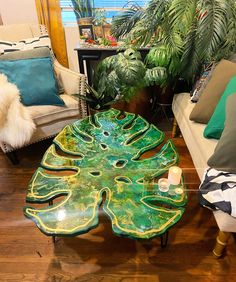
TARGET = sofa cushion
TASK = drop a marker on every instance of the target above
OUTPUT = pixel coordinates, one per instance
(35, 79)
(224, 157)
(216, 124)
(205, 107)
(15, 32)
(45, 114)
(199, 147)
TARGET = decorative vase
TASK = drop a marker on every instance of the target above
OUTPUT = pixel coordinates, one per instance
(98, 30)
(85, 21)
(106, 30)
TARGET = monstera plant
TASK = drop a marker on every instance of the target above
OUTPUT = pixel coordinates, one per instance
(104, 155)
(116, 78)
(120, 77)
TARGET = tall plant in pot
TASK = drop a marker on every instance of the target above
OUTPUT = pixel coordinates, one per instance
(84, 11)
(116, 78)
(119, 78)
(183, 34)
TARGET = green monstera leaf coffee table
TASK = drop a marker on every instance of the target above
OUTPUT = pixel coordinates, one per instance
(102, 154)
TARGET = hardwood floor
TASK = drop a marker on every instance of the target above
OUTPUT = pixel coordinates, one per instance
(28, 255)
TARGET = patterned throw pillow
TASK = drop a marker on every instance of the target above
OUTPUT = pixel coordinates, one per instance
(25, 44)
(202, 82)
(7, 46)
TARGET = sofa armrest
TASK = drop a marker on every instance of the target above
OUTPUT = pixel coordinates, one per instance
(72, 82)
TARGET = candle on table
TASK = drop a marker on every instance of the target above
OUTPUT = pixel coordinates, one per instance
(163, 185)
(174, 175)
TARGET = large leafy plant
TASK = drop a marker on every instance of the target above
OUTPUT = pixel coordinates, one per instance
(120, 77)
(116, 77)
(83, 8)
(184, 34)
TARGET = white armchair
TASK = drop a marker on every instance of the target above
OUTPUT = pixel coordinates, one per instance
(49, 120)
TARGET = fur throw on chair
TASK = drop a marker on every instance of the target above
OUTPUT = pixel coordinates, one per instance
(16, 124)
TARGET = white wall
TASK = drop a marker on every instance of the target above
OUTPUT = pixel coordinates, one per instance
(18, 11)
(24, 11)
(72, 40)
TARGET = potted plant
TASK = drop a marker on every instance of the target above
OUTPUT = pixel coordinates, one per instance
(84, 11)
(98, 21)
(116, 78)
(184, 35)
(119, 78)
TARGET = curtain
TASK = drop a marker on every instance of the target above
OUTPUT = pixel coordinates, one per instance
(49, 14)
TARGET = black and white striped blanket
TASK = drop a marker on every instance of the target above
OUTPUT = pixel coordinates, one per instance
(218, 191)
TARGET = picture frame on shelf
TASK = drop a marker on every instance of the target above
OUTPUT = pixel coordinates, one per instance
(86, 32)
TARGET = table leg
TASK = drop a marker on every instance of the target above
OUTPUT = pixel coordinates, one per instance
(164, 239)
(53, 237)
(175, 127)
(221, 242)
(81, 64)
(89, 72)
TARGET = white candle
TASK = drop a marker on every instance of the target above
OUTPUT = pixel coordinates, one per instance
(163, 184)
(174, 175)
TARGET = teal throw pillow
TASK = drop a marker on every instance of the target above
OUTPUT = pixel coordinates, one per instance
(216, 124)
(35, 79)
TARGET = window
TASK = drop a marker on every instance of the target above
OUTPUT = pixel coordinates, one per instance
(111, 8)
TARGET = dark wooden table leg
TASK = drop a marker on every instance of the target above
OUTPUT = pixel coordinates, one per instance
(164, 239)
(81, 63)
(12, 156)
(53, 237)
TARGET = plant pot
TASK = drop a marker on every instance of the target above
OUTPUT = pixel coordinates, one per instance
(85, 21)
(162, 96)
(106, 30)
(98, 30)
(139, 104)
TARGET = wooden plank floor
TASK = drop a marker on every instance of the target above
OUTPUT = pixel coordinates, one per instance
(28, 255)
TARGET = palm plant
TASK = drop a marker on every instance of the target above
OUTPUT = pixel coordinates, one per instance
(83, 8)
(184, 34)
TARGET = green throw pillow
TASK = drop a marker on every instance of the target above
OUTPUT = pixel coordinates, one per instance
(35, 79)
(224, 157)
(216, 124)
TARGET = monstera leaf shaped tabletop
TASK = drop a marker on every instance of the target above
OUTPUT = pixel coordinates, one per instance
(102, 154)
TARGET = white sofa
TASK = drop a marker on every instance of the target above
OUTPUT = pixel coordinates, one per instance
(200, 150)
(49, 120)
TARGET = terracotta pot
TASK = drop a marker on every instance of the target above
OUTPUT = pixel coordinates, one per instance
(85, 21)
(139, 104)
(98, 30)
(162, 95)
(106, 30)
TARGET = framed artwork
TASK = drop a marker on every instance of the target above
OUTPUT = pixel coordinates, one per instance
(86, 32)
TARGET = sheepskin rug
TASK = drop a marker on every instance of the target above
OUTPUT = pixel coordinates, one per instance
(16, 124)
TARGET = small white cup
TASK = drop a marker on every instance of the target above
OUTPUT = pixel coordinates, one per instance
(163, 184)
